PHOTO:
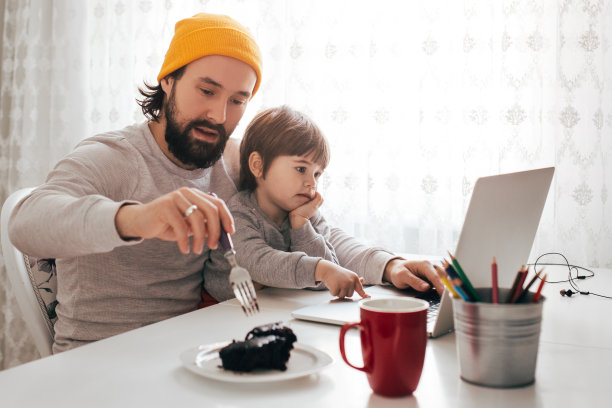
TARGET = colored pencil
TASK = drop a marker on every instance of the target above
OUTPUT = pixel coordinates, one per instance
(456, 281)
(538, 293)
(526, 289)
(446, 282)
(494, 286)
(519, 287)
(464, 278)
(517, 278)
(462, 294)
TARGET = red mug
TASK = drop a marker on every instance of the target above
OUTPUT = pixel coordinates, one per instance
(393, 341)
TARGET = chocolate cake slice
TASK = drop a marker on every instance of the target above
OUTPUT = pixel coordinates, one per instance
(265, 347)
(276, 329)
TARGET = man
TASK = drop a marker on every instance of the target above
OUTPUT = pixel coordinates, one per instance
(111, 211)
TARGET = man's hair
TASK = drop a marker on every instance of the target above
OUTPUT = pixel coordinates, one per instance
(153, 97)
(280, 131)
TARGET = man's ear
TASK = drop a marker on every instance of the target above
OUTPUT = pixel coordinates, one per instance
(256, 164)
(166, 83)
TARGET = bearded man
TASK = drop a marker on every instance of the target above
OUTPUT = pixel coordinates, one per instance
(126, 214)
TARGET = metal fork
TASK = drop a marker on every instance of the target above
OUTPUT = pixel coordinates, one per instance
(242, 285)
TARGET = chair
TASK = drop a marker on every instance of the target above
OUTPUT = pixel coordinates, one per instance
(28, 279)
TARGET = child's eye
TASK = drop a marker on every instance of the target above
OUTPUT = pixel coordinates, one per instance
(317, 175)
(301, 169)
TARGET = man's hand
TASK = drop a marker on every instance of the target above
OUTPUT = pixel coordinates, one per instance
(165, 218)
(300, 215)
(340, 281)
(402, 274)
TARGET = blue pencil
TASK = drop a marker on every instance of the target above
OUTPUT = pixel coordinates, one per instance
(457, 282)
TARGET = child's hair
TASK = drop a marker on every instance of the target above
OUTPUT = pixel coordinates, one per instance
(280, 131)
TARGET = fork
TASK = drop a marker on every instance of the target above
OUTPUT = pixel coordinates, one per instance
(240, 279)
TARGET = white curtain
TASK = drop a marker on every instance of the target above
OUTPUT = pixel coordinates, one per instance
(418, 99)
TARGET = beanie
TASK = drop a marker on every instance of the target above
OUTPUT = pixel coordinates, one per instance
(210, 34)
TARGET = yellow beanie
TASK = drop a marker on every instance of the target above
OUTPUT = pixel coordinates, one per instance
(210, 34)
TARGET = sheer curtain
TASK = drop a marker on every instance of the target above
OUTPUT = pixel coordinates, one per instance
(418, 99)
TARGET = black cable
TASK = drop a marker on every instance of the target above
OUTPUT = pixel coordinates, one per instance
(597, 294)
(570, 279)
(570, 267)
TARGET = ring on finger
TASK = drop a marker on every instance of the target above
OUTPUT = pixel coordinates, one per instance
(190, 210)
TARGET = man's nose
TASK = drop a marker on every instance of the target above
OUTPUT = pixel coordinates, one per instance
(217, 111)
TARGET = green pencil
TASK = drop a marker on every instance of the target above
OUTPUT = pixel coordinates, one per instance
(464, 278)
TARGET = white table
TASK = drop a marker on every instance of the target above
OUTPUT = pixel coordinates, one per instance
(141, 368)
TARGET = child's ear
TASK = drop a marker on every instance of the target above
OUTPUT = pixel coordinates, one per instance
(256, 164)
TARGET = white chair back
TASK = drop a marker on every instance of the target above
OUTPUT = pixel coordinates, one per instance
(27, 282)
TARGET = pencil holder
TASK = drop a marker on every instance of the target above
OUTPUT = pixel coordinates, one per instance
(497, 344)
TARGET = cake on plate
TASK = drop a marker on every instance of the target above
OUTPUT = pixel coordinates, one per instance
(265, 347)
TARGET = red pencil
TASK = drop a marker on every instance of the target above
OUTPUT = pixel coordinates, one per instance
(538, 294)
(526, 289)
(519, 287)
(494, 286)
(515, 284)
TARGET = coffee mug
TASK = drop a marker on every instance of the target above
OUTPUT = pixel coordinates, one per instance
(393, 341)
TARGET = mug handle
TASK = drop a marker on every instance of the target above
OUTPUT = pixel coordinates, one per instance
(346, 327)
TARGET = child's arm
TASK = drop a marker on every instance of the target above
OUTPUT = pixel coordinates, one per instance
(300, 216)
(368, 262)
(378, 265)
(305, 235)
(263, 253)
(310, 240)
(266, 265)
(340, 281)
(263, 250)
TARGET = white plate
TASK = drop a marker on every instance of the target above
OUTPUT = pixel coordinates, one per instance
(205, 361)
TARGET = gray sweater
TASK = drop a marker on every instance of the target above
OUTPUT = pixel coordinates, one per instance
(107, 285)
(284, 257)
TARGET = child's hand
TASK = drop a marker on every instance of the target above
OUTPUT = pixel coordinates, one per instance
(340, 281)
(300, 215)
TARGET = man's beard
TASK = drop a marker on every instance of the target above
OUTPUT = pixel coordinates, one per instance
(189, 150)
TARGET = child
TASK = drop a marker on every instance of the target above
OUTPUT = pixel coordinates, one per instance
(281, 238)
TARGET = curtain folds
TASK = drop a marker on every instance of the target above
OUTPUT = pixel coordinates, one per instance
(417, 99)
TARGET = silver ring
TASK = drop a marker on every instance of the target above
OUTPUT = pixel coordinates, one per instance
(190, 210)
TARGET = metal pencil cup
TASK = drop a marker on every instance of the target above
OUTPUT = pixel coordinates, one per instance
(497, 344)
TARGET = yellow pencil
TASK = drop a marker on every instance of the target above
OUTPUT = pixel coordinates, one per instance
(445, 281)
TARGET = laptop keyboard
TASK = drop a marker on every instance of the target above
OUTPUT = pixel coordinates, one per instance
(432, 312)
(433, 298)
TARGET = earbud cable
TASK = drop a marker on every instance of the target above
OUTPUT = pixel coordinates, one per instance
(570, 279)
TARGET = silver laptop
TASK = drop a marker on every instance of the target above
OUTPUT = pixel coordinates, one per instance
(501, 220)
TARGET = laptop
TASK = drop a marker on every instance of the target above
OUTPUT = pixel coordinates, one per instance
(501, 220)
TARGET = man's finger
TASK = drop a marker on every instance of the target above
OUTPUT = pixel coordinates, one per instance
(194, 219)
(196, 222)
(180, 229)
(224, 214)
(426, 270)
(409, 279)
(208, 205)
(227, 220)
(437, 282)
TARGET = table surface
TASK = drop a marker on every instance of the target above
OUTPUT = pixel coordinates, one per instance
(142, 367)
